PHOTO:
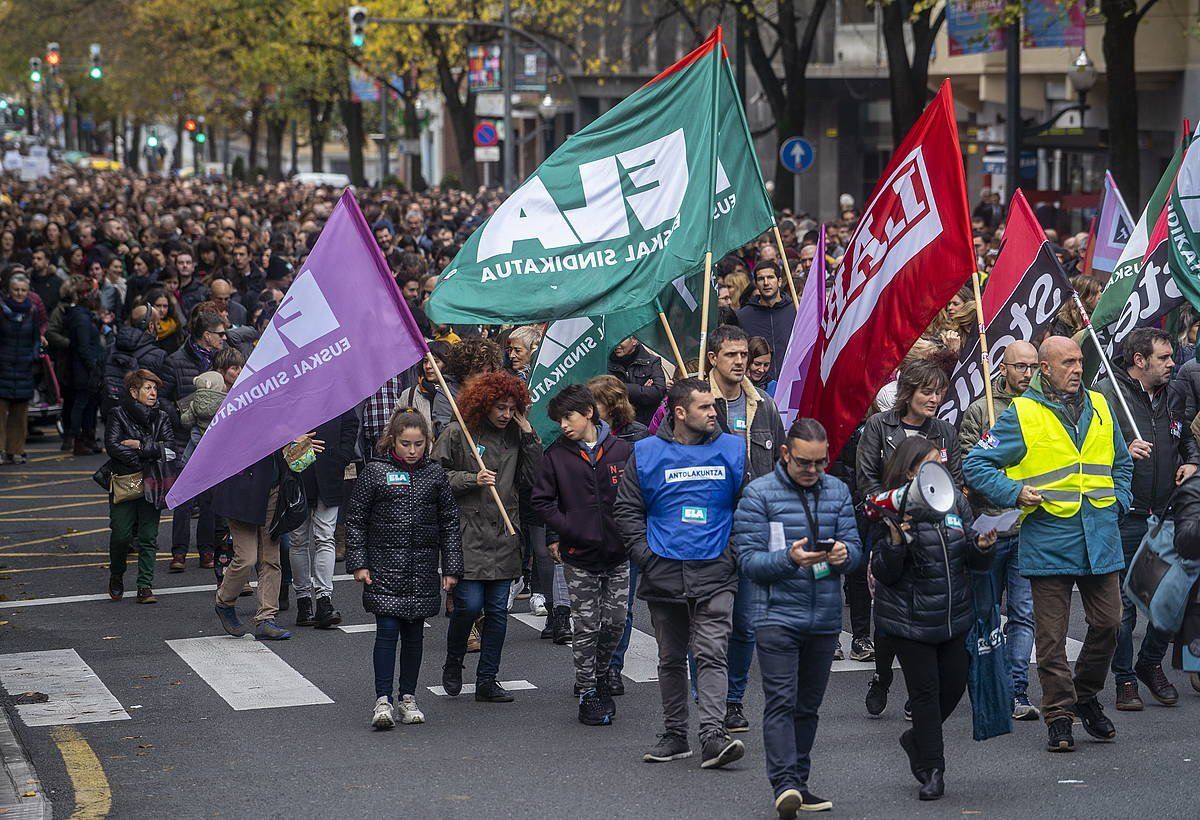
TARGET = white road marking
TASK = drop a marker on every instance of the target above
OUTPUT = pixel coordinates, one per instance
(641, 659)
(76, 599)
(76, 694)
(246, 673)
(469, 688)
(353, 628)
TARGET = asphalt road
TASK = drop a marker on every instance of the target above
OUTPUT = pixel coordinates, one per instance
(167, 743)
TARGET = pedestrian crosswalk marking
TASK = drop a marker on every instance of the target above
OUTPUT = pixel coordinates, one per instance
(469, 688)
(354, 628)
(159, 591)
(75, 693)
(246, 674)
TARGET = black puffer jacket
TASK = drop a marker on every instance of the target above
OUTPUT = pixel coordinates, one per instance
(635, 370)
(402, 524)
(130, 420)
(133, 349)
(922, 591)
(179, 371)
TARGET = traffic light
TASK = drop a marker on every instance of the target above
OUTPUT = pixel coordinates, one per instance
(35, 69)
(200, 137)
(151, 141)
(358, 26)
(189, 125)
(53, 56)
(96, 71)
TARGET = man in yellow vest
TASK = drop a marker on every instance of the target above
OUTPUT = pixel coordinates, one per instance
(1058, 454)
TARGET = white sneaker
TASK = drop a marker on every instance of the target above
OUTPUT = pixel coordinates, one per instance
(409, 711)
(537, 604)
(383, 717)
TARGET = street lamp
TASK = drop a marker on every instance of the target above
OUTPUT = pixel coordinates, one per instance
(547, 110)
(1083, 76)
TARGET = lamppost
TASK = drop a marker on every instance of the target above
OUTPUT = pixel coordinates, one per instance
(548, 110)
(1083, 79)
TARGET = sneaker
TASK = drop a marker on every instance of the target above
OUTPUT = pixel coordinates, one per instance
(1156, 681)
(616, 684)
(327, 617)
(409, 711)
(861, 649)
(718, 749)
(270, 631)
(670, 746)
(1094, 721)
(735, 720)
(877, 697)
(452, 676)
(20, 459)
(908, 710)
(178, 563)
(1128, 699)
(230, 621)
(1060, 735)
(606, 700)
(490, 691)
(116, 588)
(383, 718)
(788, 803)
(145, 595)
(474, 639)
(1023, 709)
(562, 629)
(810, 802)
(838, 654)
(537, 604)
(592, 711)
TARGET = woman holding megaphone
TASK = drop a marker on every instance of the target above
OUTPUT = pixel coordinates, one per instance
(920, 555)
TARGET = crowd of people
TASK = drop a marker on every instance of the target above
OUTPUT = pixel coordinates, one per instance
(135, 302)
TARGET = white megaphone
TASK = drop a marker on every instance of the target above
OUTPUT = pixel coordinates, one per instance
(927, 497)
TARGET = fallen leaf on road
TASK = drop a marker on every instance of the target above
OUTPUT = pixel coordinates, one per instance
(32, 697)
(29, 794)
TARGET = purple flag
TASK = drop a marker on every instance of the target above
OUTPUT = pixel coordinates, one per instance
(796, 361)
(342, 330)
(1114, 226)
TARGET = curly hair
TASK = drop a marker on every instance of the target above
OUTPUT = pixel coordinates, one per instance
(484, 390)
(472, 356)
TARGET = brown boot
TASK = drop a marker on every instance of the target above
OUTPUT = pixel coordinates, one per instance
(80, 448)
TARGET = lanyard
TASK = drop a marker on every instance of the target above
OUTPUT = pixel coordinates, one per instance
(813, 525)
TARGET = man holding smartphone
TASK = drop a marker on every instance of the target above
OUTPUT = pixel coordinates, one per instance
(796, 537)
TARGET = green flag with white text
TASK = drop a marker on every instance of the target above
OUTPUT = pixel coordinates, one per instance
(621, 209)
(1183, 223)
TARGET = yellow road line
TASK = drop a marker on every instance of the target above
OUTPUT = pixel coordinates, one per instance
(59, 497)
(59, 518)
(43, 484)
(55, 507)
(50, 458)
(51, 555)
(93, 797)
(37, 541)
(48, 472)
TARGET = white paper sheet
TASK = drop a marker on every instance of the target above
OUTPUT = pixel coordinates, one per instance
(1000, 523)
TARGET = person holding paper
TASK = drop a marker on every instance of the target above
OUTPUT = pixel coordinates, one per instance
(796, 538)
(1017, 367)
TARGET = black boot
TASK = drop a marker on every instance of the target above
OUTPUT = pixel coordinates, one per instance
(934, 787)
(452, 676)
(562, 626)
(304, 612)
(548, 630)
(327, 617)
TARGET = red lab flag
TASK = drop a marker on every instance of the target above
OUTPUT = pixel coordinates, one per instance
(910, 254)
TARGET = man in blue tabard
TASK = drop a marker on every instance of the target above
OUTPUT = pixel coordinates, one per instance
(674, 508)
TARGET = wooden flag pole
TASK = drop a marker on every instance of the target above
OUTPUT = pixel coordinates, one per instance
(787, 269)
(704, 301)
(470, 441)
(983, 349)
(662, 317)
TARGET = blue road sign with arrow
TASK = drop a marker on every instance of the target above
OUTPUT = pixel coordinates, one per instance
(797, 154)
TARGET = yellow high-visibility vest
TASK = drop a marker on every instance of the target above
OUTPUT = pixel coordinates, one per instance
(1063, 473)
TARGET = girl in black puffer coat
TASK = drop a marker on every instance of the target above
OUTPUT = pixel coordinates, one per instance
(923, 609)
(403, 544)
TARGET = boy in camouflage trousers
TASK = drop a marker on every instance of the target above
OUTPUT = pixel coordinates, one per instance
(574, 495)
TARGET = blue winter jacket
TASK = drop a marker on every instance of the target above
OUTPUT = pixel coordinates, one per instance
(783, 594)
(1085, 544)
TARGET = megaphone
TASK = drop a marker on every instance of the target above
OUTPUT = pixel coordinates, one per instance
(927, 497)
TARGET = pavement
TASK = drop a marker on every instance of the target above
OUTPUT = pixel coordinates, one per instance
(152, 710)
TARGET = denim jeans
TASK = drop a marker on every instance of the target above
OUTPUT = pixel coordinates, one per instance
(409, 633)
(741, 641)
(1155, 644)
(795, 671)
(618, 656)
(1018, 632)
(471, 598)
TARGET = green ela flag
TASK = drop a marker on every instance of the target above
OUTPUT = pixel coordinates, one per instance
(1183, 222)
(619, 211)
(1125, 276)
(575, 350)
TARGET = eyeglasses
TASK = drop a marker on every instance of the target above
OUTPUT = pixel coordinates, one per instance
(220, 333)
(1020, 367)
(806, 464)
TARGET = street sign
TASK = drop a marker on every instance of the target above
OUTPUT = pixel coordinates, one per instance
(796, 154)
(486, 135)
(487, 153)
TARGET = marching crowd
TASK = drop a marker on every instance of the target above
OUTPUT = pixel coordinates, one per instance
(136, 302)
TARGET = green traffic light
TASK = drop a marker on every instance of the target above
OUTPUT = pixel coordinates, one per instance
(35, 76)
(152, 141)
(3, 105)
(96, 73)
(20, 112)
(200, 138)
(358, 40)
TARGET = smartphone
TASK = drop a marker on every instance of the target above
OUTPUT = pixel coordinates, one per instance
(821, 570)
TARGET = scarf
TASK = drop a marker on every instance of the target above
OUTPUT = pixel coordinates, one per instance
(167, 327)
(1072, 402)
(203, 354)
(17, 311)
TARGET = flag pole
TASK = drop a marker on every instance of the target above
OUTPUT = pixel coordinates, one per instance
(718, 55)
(662, 317)
(787, 269)
(1087, 323)
(983, 348)
(470, 441)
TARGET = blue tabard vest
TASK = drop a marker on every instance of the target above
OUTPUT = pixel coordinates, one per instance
(689, 492)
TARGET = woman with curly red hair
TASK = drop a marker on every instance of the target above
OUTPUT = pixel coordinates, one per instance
(493, 407)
